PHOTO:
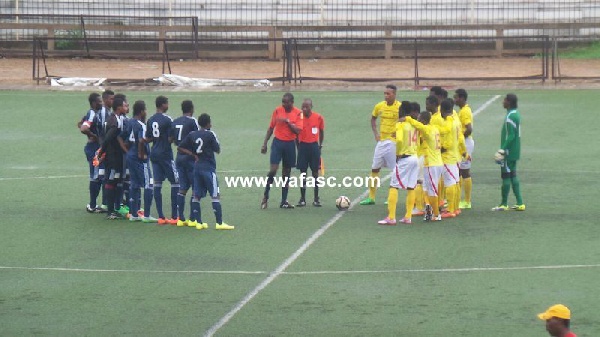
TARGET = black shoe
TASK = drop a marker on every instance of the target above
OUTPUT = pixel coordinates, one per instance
(428, 213)
(301, 203)
(317, 203)
(286, 205)
(114, 216)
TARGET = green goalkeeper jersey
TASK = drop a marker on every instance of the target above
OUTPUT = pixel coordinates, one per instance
(510, 139)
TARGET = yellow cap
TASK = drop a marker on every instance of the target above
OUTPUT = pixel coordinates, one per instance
(557, 310)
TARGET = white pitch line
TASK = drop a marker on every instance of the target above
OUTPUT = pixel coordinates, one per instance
(279, 270)
(443, 270)
(282, 267)
(134, 270)
(316, 272)
(43, 177)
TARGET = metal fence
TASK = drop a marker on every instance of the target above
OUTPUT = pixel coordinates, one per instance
(311, 12)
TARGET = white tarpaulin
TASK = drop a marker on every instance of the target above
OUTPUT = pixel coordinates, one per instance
(76, 81)
(176, 80)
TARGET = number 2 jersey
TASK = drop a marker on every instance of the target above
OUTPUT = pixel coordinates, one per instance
(204, 144)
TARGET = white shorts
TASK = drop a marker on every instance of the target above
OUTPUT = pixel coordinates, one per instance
(421, 168)
(470, 145)
(450, 175)
(385, 154)
(432, 179)
(405, 173)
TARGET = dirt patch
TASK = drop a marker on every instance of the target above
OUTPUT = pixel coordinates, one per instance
(367, 72)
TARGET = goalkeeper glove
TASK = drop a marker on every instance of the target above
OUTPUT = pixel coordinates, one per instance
(499, 156)
(98, 158)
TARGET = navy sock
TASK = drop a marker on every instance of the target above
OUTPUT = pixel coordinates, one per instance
(134, 197)
(148, 194)
(196, 211)
(94, 191)
(174, 192)
(270, 179)
(284, 193)
(110, 193)
(181, 206)
(126, 190)
(104, 202)
(118, 195)
(158, 200)
(218, 211)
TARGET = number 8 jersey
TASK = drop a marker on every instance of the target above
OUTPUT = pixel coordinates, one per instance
(157, 131)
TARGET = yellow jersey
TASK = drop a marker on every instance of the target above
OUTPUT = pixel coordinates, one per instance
(389, 118)
(437, 119)
(407, 139)
(450, 132)
(466, 117)
(432, 139)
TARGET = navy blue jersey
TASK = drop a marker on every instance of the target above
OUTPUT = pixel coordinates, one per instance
(102, 117)
(114, 126)
(181, 127)
(204, 144)
(134, 131)
(92, 121)
(157, 130)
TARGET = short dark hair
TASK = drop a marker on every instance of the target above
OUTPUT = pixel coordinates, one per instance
(414, 106)
(432, 99)
(121, 96)
(289, 96)
(446, 105)
(391, 86)
(118, 101)
(138, 107)
(444, 93)
(426, 116)
(512, 101)
(107, 93)
(160, 100)
(404, 109)
(93, 97)
(437, 90)
(462, 93)
(204, 120)
(187, 106)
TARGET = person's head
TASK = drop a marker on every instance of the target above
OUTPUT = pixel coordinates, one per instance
(510, 102)
(139, 110)
(187, 107)
(307, 105)
(460, 97)
(446, 107)
(162, 103)
(425, 117)
(431, 103)
(437, 91)
(107, 98)
(444, 94)
(558, 319)
(287, 101)
(415, 110)
(204, 121)
(389, 94)
(120, 106)
(95, 101)
(404, 109)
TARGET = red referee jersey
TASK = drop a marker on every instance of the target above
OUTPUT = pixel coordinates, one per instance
(281, 129)
(312, 128)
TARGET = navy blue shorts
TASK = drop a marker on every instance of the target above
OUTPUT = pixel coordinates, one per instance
(139, 172)
(185, 170)
(309, 155)
(205, 182)
(284, 152)
(165, 170)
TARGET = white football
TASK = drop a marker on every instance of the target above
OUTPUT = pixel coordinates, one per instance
(342, 203)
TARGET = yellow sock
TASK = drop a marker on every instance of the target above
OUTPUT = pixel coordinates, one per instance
(392, 201)
(457, 197)
(373, 186)
(419, 197)
(410, 201)
(442, 189)
(458, 190)
(434, 202)
(451, 196)
(468, 187)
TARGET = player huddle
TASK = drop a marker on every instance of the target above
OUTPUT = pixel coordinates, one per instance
(428, 151)
(122, 162)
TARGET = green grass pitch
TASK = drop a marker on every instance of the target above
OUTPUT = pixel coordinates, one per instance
(64, 272)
